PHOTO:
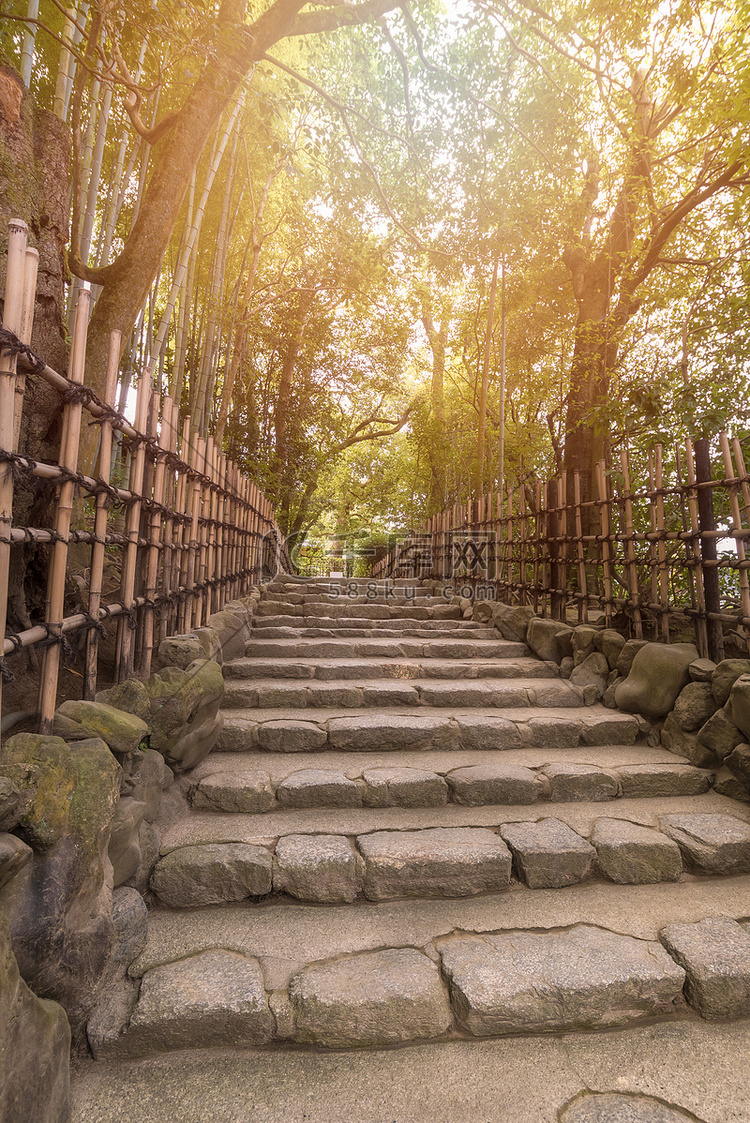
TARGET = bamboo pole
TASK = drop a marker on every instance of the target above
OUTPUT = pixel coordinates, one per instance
(734, 505)
(156, 545)
(662, 547)
(193, 605)
(31, 268)
(125, 638)
(184, 506)
(652, 548)
(630, 566)
(12, 321)
(605, 507)
(167, 614)
(100, 522)
(701, 630)
(71, 435)
(537, 544)
(583, 604)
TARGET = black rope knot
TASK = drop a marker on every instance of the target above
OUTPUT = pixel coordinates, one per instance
(11, 345)
(18, 468)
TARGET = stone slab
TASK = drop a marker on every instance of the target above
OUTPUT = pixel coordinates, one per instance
(631, 854)
(716, 955)
(377, 998)
(548, 854)
(317, 787)
(211, 874)
(404, 787)
(319, 867)
(716, 844)
(584, 977)
(580, 783)
(458, 862)
(638, 780)
(233, 792)
(479, 785)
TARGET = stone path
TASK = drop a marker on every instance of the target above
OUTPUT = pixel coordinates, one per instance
(413, 830)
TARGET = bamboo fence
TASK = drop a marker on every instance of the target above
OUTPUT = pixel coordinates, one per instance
(184, 528)
(665, 560)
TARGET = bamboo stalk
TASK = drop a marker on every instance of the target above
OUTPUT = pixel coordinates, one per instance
(184, 505)
(662, 548)
(193, 605)
(605, 507)
(71, 435)
(583, 603)
(734, 505)
(537, 545)
(652, 551)
(12, 321)
(31, 268)
(125, 638)
(701, 630)
(167, 613)
(156, 545)
(100, 522)
(630, 566)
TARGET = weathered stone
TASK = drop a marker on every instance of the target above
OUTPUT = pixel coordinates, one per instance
(739, 704)
(211, 999)
(554, 732)
(123, 732)
(541, 636)
(482, 784)
(457, 862)
(149, 844)
(716, 955)
(484, 732)
(726, 783)
(716, 844)
(628, 653)
(566, 667)
(580, 783)
(608, 698)
(12, 804)
(583, 978)
(380, 732)
(404, 787)
(548, 854)
(59, 905)
(687, 745)
(582, 642)
(512, 621)
(656, 677)
(184, 719)
(374, 998)
(180, 651)
(321, 867)
(111, 1015)
(151, 776)
(694, 706)
(318, 787)
(14, 855)
(564, 639)
(720, 734)
(234, 792)
(616, 730)
(611, 644)
(34, 1064)
(130, 921)
(702, 670)
(130, 696)
(616, 1107)
(212, 874)
(19, 781)
(124, 845)
(738, 762)
(634, 855)
(232, 626)
(653, 780)
(291, 736)
(592, 671)
(724, 677)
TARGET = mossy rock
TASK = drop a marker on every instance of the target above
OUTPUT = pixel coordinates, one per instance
(122, 731)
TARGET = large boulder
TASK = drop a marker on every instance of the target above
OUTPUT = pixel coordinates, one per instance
(123, 732)
(720, 734)
(724, 677)
(694, 706)
(184, 712)
(682, 743)
(130, 696)
(542, 638)
(34, 1048)
(739, 704)
(59, 905)
(512, 621)
(658, 674)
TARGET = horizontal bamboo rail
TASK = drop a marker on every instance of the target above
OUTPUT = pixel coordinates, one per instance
(188, 533)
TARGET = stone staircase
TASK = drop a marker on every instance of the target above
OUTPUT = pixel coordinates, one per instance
(413, 830)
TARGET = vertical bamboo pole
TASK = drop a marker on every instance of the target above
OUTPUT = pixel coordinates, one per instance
(537, 545)
(12, 321)
(508, 545)
(31, 268)
(701, 629)
(605, 507)
(707, 524)
(734, 502)
(156, 545)
(71, 436)
(583, 591)
(125, 629)
(652, 548)
(523, 514)
(184, 501)
(192, 612)
(630, 566)
(167, 615)
(100, 522)
(212, 498)
(662, 547)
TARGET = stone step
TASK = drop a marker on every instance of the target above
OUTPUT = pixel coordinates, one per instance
(423, 728)
(335, 608)
(434, 647)
(670, 1071)
(391, 632)
(246, 783)
(393, 595)
(431, 694)
(401, 669)
(579, 958)
(396, 625)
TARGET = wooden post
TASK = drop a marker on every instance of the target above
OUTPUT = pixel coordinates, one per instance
(184, 501)
(583, 604)
(71, 436)
(167, 615)
(31, 268)
(156, 547)
(606, 524)
(126, 632)
(192, 605)
(707, 525)
(630, 566)
(734, 501)
(661, 548)
(100, 522)
(701, 623)
(12, 321)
